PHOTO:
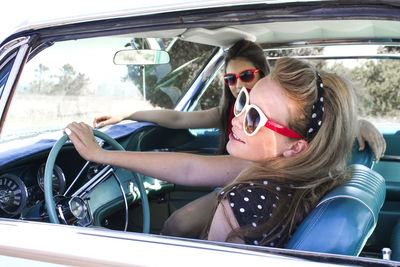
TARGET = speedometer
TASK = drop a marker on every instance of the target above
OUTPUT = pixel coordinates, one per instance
(58, 179)
(13, 194)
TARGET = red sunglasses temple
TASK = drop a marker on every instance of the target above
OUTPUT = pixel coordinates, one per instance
(280, 129)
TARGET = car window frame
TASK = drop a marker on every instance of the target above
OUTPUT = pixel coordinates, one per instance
(15, 53)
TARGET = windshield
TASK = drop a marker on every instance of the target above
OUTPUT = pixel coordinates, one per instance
(78, 80)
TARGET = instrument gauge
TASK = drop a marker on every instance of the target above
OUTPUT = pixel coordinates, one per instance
(58, 179)
(13, 194)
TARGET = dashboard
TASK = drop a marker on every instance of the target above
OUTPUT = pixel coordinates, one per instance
(20, 191)
(85, 193)
(80, 188)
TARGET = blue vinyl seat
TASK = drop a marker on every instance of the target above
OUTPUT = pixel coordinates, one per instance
(345, 218)
(364, 157)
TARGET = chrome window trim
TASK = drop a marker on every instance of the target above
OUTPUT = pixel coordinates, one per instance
(334, 42)
(10, 58)
(15, 70)
(390, 158)
(325, 57)
(9, 46)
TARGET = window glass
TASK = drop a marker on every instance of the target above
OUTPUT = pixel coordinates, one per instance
(375, 79)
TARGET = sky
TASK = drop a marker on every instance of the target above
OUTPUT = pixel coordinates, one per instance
(20, 11)
(9, 20)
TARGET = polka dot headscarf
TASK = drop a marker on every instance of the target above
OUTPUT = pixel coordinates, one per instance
(317, 111)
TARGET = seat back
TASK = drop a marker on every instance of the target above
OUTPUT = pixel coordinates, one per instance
(345, 218)
(364, 157)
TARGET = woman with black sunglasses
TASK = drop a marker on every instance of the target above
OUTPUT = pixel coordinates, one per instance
(288, 147)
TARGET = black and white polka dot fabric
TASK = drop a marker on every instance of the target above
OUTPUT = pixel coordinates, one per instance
(317, 111)
(252, 206)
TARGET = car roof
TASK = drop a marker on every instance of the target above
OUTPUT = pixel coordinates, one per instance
(321, 21)
(54, 15)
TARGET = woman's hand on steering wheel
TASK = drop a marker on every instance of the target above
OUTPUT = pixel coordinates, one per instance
(81, 135)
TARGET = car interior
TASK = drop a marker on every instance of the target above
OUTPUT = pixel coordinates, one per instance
(71, 78)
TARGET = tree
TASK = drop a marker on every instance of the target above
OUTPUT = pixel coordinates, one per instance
(69, 82)
(376, 83)
(380, 82)
(319, 64)
(40, 74)
(40, 84)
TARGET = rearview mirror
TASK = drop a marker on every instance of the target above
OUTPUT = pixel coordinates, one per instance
(141, 57)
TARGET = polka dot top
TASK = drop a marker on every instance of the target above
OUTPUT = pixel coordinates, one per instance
(252, 206)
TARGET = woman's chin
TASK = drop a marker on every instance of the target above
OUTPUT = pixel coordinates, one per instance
(232, 148)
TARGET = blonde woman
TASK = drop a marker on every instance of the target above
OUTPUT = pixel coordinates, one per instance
(268, 200)
(284, 154)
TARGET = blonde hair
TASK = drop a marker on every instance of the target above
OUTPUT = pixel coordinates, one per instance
(305, 178)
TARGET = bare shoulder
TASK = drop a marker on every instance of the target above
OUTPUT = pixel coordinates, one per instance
(223, 223)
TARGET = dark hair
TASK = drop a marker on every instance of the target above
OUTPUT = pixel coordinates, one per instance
(253, 53)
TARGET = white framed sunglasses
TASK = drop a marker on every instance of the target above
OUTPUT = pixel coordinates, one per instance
(254, 118)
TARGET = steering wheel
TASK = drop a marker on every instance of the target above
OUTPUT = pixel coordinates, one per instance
(48, 186)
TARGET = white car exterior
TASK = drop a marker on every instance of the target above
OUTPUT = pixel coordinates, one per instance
(27, 243)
